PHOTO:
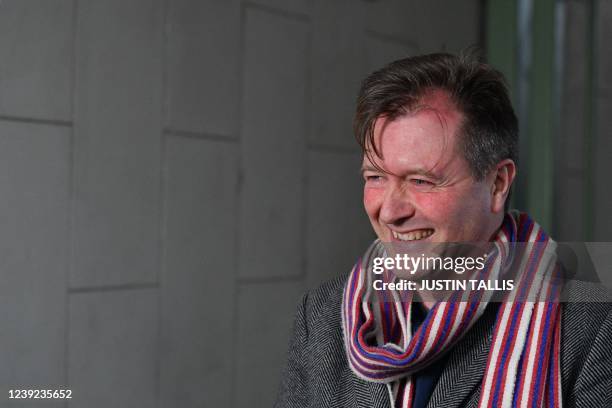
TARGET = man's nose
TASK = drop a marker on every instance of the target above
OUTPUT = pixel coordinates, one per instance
(397, 207)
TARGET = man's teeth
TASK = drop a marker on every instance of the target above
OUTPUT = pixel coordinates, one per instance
(413, 235)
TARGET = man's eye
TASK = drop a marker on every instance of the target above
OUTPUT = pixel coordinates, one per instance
(421, 182)
(373, 178)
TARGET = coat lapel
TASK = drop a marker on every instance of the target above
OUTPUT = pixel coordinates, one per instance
(370, 394)
(460, 379)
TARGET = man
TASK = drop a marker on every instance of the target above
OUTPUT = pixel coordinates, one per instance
(439, 138)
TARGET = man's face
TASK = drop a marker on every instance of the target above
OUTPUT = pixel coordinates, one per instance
(427, 191)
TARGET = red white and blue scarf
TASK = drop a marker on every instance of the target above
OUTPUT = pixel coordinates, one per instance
(523, 364)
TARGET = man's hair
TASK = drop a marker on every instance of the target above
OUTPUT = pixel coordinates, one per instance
(489, 132)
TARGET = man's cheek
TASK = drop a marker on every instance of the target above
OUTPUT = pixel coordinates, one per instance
(438, 206)
(372, 200)
(431, 202)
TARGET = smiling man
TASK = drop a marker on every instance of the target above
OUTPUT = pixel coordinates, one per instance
(418, 185)
(439, 139)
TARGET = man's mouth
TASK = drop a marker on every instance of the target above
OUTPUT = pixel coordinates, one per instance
(412, 235)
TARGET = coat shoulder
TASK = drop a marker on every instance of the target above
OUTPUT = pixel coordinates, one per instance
(586, 332)
(324, 301)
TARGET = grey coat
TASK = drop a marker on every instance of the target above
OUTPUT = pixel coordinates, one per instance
(318, 374)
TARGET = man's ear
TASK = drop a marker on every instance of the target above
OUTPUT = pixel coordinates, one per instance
(502, 177)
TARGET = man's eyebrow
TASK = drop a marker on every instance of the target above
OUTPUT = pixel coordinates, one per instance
(367, 167)
(426, 173)
(419, 172)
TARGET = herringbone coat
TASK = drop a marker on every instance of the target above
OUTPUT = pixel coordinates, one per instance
(318, 374)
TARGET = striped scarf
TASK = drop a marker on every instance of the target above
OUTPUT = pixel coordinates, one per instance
(523, 363)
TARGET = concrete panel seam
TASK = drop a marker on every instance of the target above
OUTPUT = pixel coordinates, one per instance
(308, 125)
(112, 288)
(164, 62)
(72, 186)
(237, 207)
(163, 205)
(201, 135)
(36, 121)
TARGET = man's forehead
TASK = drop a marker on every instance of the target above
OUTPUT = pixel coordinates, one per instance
(421, 138)
(441, 101)
(436, 105)
(424, 131)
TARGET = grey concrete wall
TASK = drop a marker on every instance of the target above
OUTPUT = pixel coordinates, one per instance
(602, 146)
(174, 174)
(584, 146)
